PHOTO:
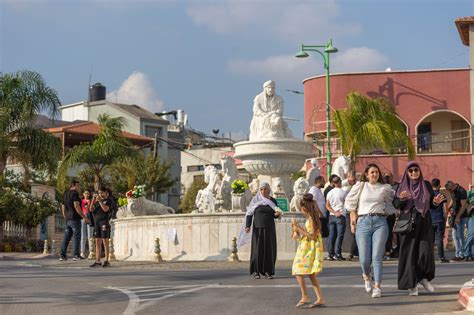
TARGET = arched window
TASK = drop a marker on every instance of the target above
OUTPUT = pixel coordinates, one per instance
(443, 132)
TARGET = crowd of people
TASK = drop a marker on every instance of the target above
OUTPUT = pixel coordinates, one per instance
(387, 220)
(87, 217)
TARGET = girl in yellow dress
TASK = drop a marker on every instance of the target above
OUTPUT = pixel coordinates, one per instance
(309, 255)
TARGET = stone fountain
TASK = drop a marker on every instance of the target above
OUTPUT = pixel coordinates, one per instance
(272, 152)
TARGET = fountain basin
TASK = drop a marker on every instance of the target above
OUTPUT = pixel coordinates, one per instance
(199, 236)
(273, 157)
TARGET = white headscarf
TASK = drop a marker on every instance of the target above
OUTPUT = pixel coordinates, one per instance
(257, 200)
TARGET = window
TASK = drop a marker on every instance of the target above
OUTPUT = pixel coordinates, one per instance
(195, 168)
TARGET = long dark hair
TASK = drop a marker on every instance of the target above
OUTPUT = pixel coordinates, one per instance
(312, 208)
(370, 165)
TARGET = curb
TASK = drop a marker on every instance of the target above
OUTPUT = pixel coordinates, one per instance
(466, 296)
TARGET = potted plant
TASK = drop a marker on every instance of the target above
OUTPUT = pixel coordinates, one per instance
(239, 187)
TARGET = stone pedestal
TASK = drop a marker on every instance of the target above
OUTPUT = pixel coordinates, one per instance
(238, 202)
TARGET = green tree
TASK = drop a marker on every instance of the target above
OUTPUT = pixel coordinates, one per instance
(188, 203)
(108, 147)
(369, 124)
(24, 95)
(141, 170)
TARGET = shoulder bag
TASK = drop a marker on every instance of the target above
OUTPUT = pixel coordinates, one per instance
(406, 225)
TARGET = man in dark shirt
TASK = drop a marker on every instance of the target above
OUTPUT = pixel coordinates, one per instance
(101, 205)
(333, 180)
(72, 212)
(438, 219)
(459, 211)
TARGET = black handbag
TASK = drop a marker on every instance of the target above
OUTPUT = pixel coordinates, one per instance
(324, 227)
(406, 225)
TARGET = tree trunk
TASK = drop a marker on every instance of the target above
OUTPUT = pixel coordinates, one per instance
(3, 165)
(96, 182)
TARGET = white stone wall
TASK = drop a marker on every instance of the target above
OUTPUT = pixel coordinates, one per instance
(199, 236)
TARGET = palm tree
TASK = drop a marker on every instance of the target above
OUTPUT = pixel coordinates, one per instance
(108, 147)
(24, 95)
(368, 124)
(142, 170)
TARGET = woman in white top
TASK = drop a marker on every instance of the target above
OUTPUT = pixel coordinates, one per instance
(367, 202)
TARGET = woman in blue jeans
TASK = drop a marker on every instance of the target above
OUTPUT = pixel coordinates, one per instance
(367, 202)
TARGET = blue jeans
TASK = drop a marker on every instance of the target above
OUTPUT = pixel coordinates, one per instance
(469, 246)
(439, 236)
(86, 234)
(337, 227)
(72, 230)
(371, 235)
(460, 241)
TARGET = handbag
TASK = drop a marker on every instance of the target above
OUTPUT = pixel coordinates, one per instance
(406, 225)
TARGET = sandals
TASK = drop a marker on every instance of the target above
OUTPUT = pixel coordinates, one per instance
(301, 304)
(316, 304)
(268, 276)
(256, 275)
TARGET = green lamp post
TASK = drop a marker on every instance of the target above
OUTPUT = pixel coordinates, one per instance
(324, 51)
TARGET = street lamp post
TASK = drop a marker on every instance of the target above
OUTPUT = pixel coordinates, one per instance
(328, 49)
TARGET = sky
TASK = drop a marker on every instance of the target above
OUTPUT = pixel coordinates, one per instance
(210, 58)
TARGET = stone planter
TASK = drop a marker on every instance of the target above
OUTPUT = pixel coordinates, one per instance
(239, 202)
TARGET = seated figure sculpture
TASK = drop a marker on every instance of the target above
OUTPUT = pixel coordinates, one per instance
(267, 121)
(300, 188)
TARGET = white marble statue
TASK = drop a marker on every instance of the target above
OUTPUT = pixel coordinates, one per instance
(142, 206)
(230, 173)
(341, 166)
(206, 198)
(313, 172)
(253, 186)
(300, 188)
(267, 121)
(278, 188)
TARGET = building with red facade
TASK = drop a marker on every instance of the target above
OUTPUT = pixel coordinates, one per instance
(434, 105)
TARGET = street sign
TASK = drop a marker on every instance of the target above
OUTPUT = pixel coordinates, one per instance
(282, 203)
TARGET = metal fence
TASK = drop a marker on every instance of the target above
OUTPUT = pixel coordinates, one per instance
(11, 230)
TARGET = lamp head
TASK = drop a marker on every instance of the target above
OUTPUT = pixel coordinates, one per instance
(301, 54)
(330, 48)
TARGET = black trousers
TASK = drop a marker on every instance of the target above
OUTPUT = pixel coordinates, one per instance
(416, 259)
(391, 222)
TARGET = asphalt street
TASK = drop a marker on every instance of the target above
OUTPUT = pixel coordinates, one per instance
(39, 287)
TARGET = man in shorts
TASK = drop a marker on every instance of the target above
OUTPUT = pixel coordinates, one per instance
(101, 205)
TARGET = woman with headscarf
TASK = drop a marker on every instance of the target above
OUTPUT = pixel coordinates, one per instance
(416, 262)
(262, 211)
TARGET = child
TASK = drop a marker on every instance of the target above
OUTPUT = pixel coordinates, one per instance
(309, 255)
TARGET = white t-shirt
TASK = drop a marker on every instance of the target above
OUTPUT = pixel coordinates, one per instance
(318, 196)
(375, 198)
(336, 199)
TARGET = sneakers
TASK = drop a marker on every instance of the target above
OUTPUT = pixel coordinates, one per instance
(340, 258)
(376, 293)
(458, 258)
(62, 258)
(330, 258)
(386, 257)
(95, 264)
(427, 285)
(76, 258)
(106, 264)
(367, 284)
(413, 292)
(444, 260)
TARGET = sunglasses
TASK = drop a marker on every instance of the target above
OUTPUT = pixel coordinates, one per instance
(411, 170)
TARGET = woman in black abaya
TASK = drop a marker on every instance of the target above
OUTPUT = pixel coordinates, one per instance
(416, 263)
(262, 211)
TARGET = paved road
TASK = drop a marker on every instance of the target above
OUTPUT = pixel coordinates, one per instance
(36, 287)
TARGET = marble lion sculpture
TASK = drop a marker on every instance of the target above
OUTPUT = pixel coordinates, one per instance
(142, 206)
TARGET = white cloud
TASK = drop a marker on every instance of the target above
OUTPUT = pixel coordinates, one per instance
(288, 20)
(359, 59)
(137, 89)
(288, 69)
